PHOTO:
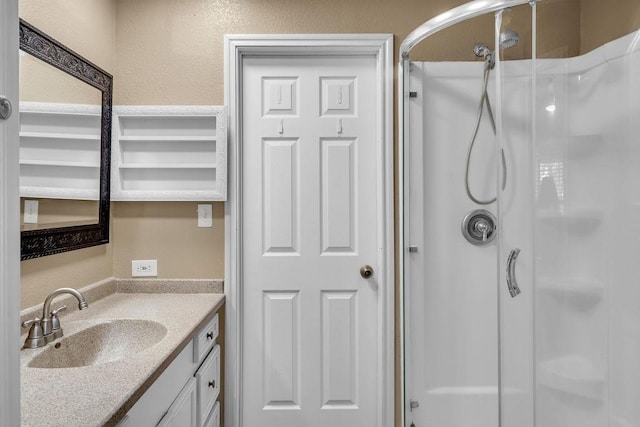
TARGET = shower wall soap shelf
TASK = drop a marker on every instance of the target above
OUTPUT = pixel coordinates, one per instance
(169, 153)
(579, 290)
(59, 150)
(572, 374)
(578, 145)
(575, 220)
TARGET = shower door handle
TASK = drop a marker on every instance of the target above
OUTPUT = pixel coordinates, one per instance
(512, 282)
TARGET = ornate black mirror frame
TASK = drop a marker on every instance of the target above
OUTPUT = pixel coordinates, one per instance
(37, 243)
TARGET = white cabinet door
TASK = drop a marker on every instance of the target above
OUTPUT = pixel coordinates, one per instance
(208, 377)
(310, 221)
(213, 420)
(182, 412)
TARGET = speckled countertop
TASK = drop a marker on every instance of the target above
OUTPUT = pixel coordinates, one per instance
(101, 394)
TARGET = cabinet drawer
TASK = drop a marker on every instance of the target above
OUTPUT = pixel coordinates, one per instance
(208, 377)
(213, 420)
(205, 339)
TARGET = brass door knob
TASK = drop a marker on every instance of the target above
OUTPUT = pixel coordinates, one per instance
(366, 272)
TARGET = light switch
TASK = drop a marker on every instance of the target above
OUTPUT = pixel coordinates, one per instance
(30, 211)
(205, 216)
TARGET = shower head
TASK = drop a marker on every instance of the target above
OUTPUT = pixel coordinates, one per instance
(481, 50)
(508, 38)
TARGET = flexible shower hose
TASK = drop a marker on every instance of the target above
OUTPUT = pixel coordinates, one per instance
(483, 99)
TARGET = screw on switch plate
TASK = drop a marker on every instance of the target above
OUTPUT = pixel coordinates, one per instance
(147, 267)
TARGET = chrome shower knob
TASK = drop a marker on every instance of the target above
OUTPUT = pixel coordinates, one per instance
(479, 227)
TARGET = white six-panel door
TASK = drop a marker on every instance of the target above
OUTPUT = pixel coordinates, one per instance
(310, 215)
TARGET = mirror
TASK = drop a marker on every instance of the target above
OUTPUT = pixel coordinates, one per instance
(65, 145)
(59, 147)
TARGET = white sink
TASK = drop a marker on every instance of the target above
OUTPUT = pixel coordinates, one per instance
(103, 342)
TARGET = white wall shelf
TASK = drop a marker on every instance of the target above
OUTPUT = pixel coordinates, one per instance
(578, 290)
(59, 150)
(169, 153)
(572, 374)
(577, 145)
(578, 219)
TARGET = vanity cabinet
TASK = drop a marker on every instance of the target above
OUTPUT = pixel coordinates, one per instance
(169, 153)
(186, 393)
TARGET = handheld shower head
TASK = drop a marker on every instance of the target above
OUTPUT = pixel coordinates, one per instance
(481, 50)
(508, 38)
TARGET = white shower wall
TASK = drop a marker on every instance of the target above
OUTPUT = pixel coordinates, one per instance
(570, 343)
(587, 316)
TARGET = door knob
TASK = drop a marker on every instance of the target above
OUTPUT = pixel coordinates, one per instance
(366, 271)
(5, 108)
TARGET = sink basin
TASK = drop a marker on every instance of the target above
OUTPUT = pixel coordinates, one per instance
(101, 343)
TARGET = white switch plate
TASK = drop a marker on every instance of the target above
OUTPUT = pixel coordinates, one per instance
(144, 267)
(30, 211)
(205, 216)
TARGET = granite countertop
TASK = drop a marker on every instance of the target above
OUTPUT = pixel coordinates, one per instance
(103, 393)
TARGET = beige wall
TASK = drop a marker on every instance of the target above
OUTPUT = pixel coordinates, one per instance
(41, 82)
(86, 26)
(179, 59)
(558, 28)
(169, 233)
(78, 268)
(604, 21)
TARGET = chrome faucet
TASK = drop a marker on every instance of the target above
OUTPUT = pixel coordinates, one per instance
(47, 328)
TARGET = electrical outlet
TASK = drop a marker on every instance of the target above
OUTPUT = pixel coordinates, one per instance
(144, 267)
(205, 216)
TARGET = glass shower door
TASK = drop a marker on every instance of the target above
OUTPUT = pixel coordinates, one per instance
(515, 259)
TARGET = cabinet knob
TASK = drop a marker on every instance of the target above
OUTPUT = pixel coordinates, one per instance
(209, 335)
(212, 384)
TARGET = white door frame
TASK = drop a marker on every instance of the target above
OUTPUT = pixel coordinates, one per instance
(9, 222)
(236, 48)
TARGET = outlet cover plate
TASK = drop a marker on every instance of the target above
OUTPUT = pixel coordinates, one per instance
(144, 267)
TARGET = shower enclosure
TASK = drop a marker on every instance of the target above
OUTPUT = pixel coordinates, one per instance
(529, 317)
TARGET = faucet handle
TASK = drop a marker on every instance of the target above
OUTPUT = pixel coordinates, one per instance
(36, 337)
(56, 329)
(34, 321)
(58, 310)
